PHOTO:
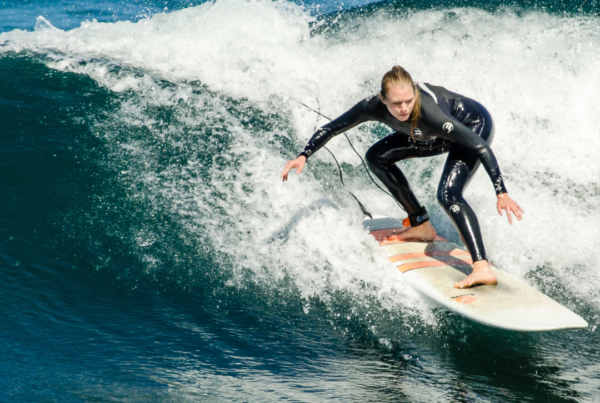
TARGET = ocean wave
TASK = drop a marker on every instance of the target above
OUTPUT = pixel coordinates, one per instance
(209, 110)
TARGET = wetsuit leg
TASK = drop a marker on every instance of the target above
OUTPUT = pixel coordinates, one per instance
(460, 167)
(382, 158)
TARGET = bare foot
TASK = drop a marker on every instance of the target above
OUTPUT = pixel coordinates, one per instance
(481, 275)
(424, 232)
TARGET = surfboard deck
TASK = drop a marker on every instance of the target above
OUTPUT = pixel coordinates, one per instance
(433, 267)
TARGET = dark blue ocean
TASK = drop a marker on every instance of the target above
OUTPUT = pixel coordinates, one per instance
(150, 253)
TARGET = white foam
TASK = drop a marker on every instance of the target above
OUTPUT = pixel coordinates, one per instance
(538, 74)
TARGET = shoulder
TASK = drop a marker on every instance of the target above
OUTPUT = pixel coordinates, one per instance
(438, 94)
(441, 94)
(430, 99)
(440, 103)
(370, 106)
(371, 102)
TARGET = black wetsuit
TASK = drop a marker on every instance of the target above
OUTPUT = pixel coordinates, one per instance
(449, 123)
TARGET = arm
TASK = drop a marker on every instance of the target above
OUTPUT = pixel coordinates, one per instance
(359, 113)
(455, 131)
(460, 134)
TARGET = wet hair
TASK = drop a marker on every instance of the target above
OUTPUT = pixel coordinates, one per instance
(398, 77)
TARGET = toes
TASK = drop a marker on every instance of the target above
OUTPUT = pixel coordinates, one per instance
(461, 284)
(472, 281)
(466, 283)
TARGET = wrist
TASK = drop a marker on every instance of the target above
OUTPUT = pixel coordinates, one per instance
(502, 195)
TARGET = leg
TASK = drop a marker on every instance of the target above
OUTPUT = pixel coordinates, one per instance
(455, 177)
(458, 172)
(382, 158)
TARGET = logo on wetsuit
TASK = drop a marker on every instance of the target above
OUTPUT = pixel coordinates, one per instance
(455, 209)
(499, 184)
(448, 127)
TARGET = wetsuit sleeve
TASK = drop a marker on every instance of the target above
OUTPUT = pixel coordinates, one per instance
(456, 132)
(359, 113)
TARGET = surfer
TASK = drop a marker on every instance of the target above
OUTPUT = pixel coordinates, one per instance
(428, 120)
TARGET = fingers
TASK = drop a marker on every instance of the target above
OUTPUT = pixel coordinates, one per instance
(289, 166)
(516, 210)
(512, 209)
(519, 212)
(284, 174)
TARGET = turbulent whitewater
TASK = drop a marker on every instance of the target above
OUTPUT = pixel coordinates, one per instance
(202, 106)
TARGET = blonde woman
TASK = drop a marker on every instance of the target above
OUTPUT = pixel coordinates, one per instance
(428, 120)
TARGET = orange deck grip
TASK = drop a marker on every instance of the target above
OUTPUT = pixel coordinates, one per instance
(455, 252)
(431, 263)
(467, 299)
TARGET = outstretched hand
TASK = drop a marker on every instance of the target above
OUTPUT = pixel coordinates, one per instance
(297, 163)
(511, 206)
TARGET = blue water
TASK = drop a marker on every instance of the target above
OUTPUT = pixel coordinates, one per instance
(150, 253)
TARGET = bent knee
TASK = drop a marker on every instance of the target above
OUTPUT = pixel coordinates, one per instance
(372, 157)
(449, 201)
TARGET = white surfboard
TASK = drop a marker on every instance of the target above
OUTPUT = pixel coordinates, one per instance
(433, 267)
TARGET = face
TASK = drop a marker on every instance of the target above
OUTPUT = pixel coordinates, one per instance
(400, 101)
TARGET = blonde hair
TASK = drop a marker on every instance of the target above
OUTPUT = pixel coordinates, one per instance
(398, 77)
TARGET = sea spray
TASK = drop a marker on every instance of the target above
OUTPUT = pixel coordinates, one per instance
(233, 72)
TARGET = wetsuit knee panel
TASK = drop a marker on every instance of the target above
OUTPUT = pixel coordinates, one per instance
(448, 196)
(371, 155)
(376, 154)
